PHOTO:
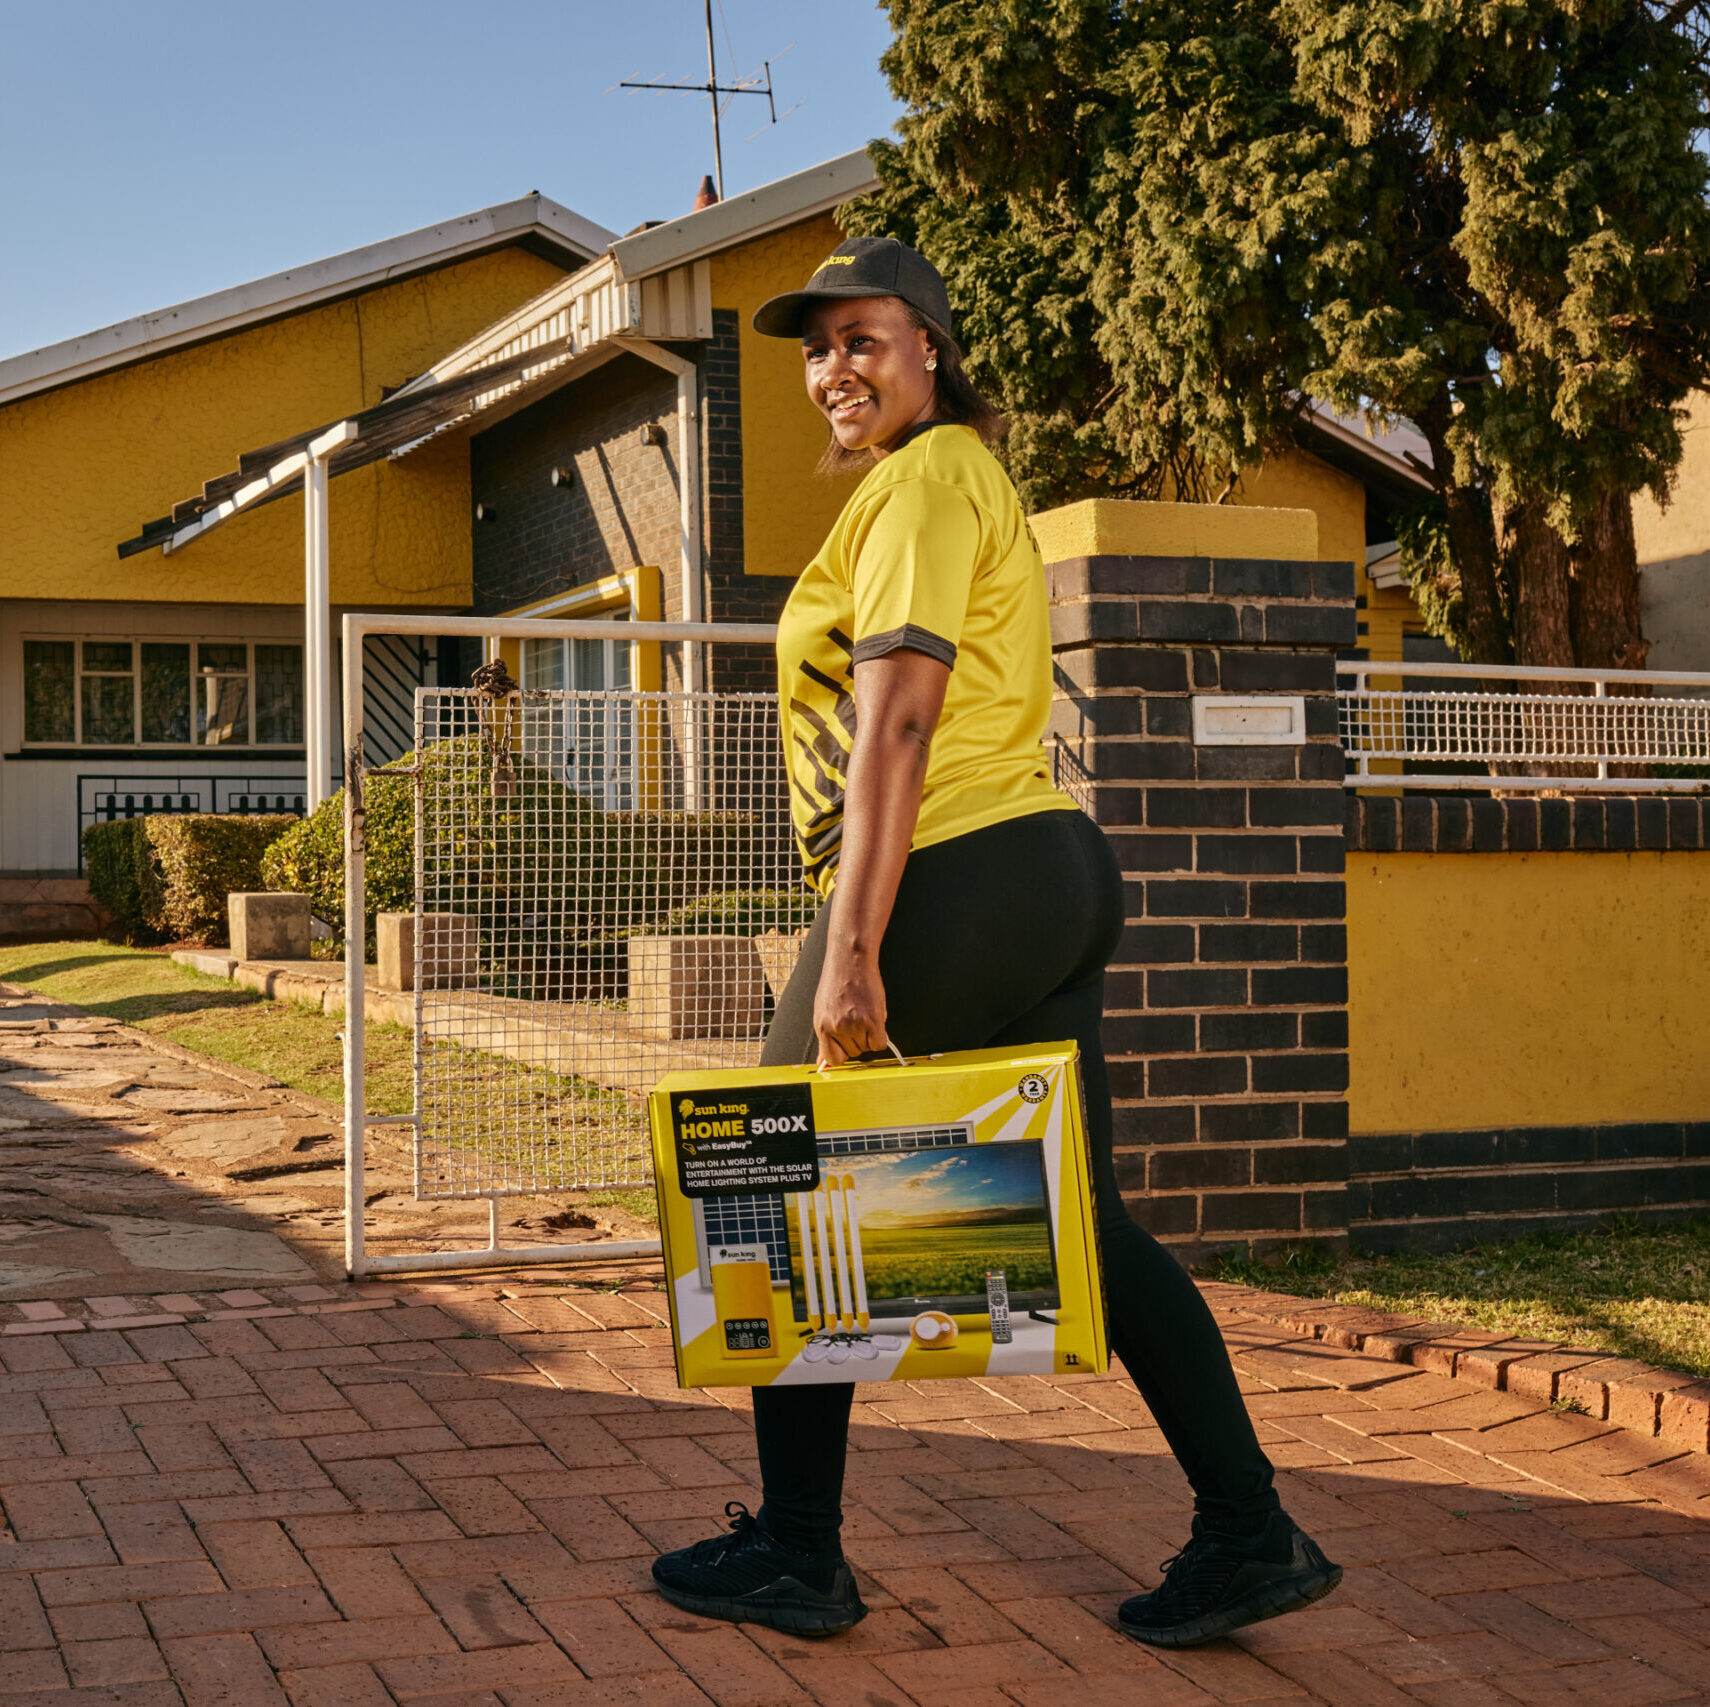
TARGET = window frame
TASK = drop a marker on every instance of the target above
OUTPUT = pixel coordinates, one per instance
(136, 642)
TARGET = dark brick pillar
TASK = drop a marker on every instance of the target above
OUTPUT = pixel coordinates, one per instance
(1226, 1019)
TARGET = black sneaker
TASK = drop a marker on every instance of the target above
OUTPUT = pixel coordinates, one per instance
(1216, 1584)
(749, 1578)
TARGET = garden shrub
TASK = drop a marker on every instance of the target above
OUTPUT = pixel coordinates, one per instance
(550, 875)
(309, 858)
(165, 876)
(197, 859)
(112, 862)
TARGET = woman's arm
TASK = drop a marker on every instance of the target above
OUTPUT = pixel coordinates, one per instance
(897, 701)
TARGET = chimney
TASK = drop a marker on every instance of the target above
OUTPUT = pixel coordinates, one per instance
(707, 196)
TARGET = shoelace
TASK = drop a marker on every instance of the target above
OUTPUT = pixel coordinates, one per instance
(743, 1524)
(1194, 1578)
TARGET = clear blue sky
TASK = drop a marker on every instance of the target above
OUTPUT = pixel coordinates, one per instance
(156, 150)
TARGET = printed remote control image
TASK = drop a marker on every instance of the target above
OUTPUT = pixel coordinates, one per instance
(997, 1305)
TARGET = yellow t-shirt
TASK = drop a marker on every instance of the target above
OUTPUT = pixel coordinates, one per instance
(932, 553)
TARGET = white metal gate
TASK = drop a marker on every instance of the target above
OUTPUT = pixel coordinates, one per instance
(606, 890)
(604, 881)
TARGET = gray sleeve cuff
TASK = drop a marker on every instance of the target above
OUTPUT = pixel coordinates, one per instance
(908, 638)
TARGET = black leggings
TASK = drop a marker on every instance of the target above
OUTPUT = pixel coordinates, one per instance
(1001, 937)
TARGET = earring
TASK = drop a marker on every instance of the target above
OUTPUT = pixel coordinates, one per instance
(932, 364)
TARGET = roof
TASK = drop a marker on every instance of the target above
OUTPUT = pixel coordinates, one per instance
(535, 220)
(769, 208)
(581, 322)
(1391, 459)
(649, 287)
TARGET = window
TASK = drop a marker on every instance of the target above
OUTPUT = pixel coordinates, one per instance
(222, 696)
(279, 694)
(162, 693)
(109, 693)
(589, 742)
(165, 692)
(50, 690)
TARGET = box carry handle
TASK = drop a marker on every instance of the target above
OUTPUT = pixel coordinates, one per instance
(855, 1066)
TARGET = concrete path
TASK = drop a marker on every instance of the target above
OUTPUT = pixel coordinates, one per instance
(127, 1165)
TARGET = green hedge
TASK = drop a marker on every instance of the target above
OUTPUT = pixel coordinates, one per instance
(165, 876)
(112, 861)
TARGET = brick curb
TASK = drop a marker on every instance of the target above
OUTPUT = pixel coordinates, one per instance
(1659, 1404)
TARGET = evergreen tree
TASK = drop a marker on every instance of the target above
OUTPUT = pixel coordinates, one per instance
(1165, 225)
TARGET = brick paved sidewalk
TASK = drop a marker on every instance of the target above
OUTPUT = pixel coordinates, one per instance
(344, 1497)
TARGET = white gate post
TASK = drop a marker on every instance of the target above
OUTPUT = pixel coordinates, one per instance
(355, 953)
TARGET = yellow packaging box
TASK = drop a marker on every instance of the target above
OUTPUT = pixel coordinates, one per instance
(879, 1223)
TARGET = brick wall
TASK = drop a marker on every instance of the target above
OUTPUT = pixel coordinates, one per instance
(733, 595)
(1226, 1020)
(1612, 823)
(622, 509)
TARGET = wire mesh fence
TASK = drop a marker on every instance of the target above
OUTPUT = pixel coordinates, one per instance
(607, 890)
(1603, 731)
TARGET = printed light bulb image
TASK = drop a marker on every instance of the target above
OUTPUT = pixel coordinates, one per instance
(827, 1292)
(845, 1305)
(933, 1330)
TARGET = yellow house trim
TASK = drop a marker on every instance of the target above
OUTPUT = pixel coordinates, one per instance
(640, 591)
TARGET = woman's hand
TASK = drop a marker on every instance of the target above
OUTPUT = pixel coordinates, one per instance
(849, 1007)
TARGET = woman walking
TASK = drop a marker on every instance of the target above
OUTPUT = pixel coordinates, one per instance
(969, 905)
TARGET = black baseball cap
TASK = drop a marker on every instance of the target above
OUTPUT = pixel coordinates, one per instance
(864, 266)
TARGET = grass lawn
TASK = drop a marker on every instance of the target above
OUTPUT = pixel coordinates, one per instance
(293, 1043)
(145, 988)
(1631, 1291)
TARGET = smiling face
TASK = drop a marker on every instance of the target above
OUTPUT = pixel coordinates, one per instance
(866, 370)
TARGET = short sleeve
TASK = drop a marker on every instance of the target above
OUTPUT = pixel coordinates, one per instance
(914, 569)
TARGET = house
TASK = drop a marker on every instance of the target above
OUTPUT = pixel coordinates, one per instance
(178, 680)
(1674, 555)
(515, 413)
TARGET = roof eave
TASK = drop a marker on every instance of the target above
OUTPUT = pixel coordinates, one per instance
(1349, 438)
(146, 336)
(752, 214)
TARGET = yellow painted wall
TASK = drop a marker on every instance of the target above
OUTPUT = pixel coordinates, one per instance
(1683, 529)
(787, 508)
(83, 467)
(1297, 479)
(1124, 527)
(1544, 989)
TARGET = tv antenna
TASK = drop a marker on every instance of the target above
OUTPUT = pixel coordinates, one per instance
(759, 83)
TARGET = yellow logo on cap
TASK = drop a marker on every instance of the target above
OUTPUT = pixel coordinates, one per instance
(835, 261)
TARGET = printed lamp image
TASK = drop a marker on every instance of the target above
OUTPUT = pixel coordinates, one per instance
(894, 1234)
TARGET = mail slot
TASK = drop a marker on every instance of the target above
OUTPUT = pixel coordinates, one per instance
(1249, 720)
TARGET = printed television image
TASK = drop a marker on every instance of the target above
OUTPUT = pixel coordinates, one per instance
(932, 1219)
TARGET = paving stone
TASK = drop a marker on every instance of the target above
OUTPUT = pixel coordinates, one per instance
(279, 1488)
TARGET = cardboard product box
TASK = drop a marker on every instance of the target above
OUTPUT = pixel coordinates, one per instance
(879, 1223)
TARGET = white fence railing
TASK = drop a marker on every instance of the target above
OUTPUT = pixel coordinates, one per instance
(1479, 726)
